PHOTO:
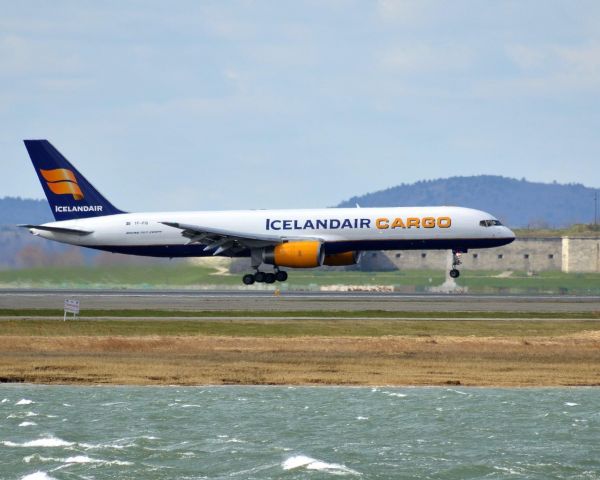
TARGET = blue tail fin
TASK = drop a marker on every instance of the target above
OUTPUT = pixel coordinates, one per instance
(70, 195)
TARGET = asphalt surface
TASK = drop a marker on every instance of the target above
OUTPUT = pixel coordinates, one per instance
(295, 301)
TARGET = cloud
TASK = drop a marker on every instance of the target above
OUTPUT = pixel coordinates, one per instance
(24, 56)
(584, 59)
(359, 91)
(526, 57)
(67, 85)
(404, 11)
(549, 70)
(426, 58)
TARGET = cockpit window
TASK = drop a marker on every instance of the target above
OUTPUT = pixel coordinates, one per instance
(490, 223)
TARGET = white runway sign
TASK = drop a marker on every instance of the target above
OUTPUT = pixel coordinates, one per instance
(71, 306)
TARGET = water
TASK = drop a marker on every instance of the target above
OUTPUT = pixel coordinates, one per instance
(291, 433)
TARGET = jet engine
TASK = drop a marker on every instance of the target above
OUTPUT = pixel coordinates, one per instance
(302, 254)
(344, 258)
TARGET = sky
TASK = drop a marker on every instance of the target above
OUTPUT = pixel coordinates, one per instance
(193, 105)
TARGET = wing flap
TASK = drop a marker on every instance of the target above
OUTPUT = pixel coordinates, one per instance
(221, 240)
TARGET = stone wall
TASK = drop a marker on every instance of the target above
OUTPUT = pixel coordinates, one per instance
(569, 254)
(581, 254)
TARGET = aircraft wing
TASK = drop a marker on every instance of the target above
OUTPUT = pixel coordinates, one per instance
(221, 240)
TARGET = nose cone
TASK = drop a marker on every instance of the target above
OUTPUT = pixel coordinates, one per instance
(508, 234)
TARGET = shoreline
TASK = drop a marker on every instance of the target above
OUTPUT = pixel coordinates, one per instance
(289, 385)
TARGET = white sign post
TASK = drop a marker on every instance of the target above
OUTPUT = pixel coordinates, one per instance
(71, 306)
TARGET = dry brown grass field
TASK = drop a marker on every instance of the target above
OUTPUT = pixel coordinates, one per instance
(551, 354)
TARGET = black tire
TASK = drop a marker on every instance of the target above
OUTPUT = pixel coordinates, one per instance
(248, 279)
(281, 276)
(269, 278)
(454, 273)
(259, 277)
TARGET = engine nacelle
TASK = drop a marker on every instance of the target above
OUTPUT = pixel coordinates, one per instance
(301, 254)
(344, 258)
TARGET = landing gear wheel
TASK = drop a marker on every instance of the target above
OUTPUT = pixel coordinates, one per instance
(281, 276)
(248, 279)
(269, 278)
(456, 254)
(260, 277)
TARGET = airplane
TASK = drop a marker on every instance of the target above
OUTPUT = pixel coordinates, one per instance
(302, 238)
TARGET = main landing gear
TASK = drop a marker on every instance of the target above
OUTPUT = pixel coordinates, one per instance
(454, 272)
(262, 277)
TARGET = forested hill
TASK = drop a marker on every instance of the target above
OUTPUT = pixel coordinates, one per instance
(517, 203)
(14, 211)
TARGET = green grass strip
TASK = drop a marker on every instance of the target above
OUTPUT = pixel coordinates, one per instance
(275, 314)
(283, 328)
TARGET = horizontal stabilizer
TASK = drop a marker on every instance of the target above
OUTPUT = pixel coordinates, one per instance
(71, 231)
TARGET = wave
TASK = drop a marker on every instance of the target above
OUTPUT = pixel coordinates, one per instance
(27, 424)
(24, 401)
(508, 470)
(456, 391)
(80, 459)
(21, 415)
(389, 394)
(119, 444)
(309, 463)
(38, 476)
(235, 440)
(86, 459)
(394, 394)
(40, 442)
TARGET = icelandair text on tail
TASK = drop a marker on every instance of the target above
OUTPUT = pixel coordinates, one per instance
(78, 208)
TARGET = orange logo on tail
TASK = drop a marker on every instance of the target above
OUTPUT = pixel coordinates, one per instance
(62, 182)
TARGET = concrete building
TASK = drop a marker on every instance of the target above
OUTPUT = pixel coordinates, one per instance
(568, 254)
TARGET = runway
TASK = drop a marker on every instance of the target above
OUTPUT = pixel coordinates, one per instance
(186, 300)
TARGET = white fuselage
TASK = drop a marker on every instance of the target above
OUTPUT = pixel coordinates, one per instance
(340, 229)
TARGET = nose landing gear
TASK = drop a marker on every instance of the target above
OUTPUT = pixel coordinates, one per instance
(454, 272)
